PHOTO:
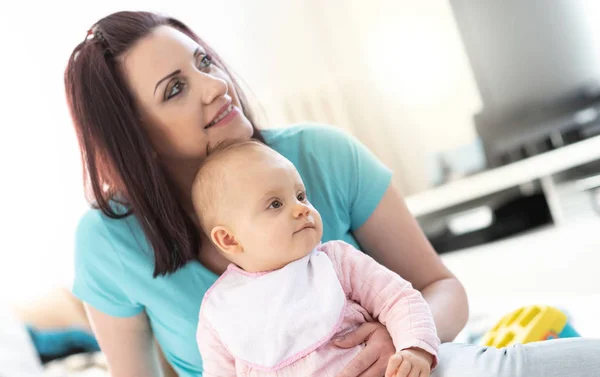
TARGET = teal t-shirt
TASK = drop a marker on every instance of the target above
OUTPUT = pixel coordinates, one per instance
(114, 263)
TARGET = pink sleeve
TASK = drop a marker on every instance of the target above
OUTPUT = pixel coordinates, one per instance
(389, 298)
(216, 359)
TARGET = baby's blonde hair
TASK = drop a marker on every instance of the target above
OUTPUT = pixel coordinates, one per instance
(210, 183)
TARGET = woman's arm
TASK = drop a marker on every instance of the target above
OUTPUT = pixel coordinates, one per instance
(167, 369)
(393, 237)
(127, 343)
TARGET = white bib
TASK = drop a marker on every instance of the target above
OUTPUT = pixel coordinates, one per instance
(270, 320)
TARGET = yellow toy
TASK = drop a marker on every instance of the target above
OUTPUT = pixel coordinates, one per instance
(529, 324)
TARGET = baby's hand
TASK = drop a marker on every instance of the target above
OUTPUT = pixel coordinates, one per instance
(413, 362)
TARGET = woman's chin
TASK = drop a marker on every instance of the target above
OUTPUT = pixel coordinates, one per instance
(241, 130)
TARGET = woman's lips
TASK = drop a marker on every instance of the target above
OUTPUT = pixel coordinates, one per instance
(227, 113)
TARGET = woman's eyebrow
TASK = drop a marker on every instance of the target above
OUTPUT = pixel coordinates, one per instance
(174, 73)
(166, 78)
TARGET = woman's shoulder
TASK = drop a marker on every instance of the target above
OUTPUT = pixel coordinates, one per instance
(305, 135)
(91, 225)
(96, 232)
(312, 145)
(94, 222)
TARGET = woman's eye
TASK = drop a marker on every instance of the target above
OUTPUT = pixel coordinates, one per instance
(275, 204)
(302, 196)
(175, 90)
(205, 61)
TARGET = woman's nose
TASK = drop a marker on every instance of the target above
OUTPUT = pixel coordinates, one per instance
(210, 87)
(301, 209)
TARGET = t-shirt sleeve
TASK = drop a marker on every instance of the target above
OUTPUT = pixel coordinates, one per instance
(361, 177)
(99, 275)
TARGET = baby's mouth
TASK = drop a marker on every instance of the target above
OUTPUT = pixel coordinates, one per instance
(305, 226)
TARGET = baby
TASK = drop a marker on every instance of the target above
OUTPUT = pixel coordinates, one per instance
(285, 294)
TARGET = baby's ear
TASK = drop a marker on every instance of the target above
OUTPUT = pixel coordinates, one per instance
(225, 240)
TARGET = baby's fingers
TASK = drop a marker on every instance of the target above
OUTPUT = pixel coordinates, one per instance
(393, 365)
(415, 371)
(404, 369)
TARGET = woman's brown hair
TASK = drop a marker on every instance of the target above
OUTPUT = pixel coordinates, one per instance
(120, 170)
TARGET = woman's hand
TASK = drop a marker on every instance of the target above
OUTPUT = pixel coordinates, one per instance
(373, 360)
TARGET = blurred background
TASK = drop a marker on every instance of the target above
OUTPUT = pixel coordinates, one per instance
(487, 111)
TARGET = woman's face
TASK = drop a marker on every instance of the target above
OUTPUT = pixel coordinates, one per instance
(186, 101)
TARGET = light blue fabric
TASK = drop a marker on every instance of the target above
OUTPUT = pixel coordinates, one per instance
(114, 263)
(574, 357)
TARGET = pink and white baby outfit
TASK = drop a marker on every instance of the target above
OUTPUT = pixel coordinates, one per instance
(280, 323)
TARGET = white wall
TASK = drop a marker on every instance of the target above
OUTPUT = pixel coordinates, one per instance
(395, 68)
(400, 69)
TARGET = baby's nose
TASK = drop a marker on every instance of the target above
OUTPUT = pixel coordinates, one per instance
(301, 210)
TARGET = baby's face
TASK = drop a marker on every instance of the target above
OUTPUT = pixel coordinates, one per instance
(273, 220)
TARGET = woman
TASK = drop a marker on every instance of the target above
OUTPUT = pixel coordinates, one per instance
(147, 97)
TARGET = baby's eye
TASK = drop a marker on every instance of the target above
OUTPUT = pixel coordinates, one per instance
(275, 204)
(301, 196)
